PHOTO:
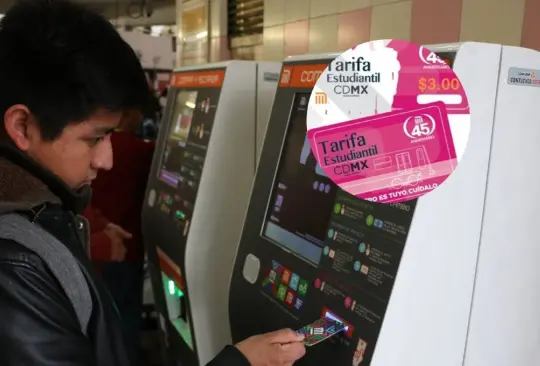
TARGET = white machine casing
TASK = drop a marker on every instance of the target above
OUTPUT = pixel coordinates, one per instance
(222, 198)
(468, 287)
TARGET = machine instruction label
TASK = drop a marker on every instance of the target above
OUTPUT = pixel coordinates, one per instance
(523, 77)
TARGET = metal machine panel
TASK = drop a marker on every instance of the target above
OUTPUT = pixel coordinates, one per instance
(197, 196)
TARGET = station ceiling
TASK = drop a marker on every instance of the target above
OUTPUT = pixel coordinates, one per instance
(127, 12)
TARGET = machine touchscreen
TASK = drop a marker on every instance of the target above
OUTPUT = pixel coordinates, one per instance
(299, 182)
(173, 157)
(184, 155)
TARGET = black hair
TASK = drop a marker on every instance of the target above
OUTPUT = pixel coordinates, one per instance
(65, 63)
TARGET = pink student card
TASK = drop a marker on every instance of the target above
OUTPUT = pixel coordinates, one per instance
(389, 157)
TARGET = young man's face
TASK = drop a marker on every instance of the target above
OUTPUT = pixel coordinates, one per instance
(76, 155)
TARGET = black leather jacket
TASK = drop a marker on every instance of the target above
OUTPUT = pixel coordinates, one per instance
(38, 325)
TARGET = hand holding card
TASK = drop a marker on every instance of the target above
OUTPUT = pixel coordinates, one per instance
(320, 330)
(280, 348)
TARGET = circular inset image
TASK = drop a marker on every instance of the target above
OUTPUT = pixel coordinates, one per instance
(388, 121)
(315, 185)
(348, 302)
(362, 247)
(326, 250)
(330, 233)
(357, 266)
(317, 283)
(337, 208)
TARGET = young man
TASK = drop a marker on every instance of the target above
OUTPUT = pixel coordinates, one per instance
(66, 77)
(117, 197)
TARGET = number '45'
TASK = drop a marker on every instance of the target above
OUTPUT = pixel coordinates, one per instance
(421, 129)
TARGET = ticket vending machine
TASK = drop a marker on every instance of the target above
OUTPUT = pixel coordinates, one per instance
(449, 279)
(197, 196)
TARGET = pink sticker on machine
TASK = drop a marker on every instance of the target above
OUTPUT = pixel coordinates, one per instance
(388, 157)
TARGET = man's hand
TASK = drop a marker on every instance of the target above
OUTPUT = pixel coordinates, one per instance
(281, 348)
(118, 231)
(117, 236)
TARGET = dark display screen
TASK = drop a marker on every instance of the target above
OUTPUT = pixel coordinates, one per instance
(173, 162)
(300, 182)
(184, 153)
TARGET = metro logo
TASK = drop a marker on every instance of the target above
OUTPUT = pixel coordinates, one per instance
(301, 76)
(321, 98)
(285, 78)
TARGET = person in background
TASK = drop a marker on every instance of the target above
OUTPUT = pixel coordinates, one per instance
(163, 98)
(118, 196)
(55, 136)
(106, 238)
(151, 114)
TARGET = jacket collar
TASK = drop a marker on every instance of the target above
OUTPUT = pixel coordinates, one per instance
(25, 185)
